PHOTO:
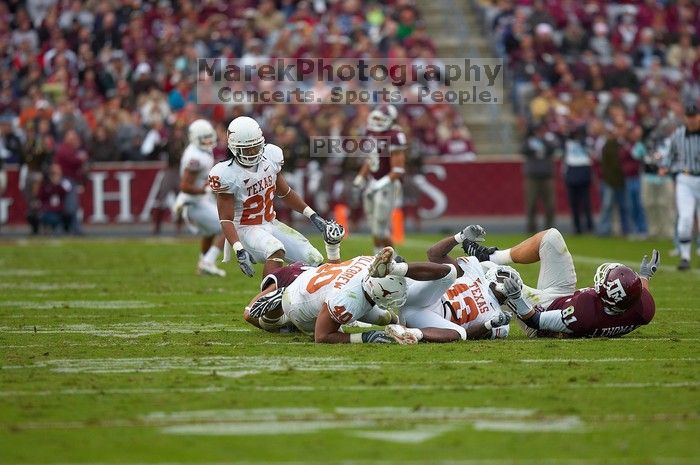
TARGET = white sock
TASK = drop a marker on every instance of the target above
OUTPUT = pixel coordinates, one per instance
(501, 257)
(212, 254)
(684, 248)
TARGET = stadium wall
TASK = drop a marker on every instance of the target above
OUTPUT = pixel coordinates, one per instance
(125, 193)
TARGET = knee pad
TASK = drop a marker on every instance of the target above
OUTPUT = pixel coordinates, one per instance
(554, 239)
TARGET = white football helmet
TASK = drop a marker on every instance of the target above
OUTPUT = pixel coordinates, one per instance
(382, 118)
(388, 292)
(245, 140)
(202, 135)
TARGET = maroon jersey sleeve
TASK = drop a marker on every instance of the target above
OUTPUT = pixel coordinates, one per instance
(284, 276)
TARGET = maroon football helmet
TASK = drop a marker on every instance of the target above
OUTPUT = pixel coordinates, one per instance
(382, 118)
(618, 286)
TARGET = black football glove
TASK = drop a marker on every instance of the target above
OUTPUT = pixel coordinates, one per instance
(266, 303)
(377, 337)
(245, 261)
(648, 267)
(482, 253)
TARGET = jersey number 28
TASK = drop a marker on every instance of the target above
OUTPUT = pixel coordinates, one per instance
(257, 207)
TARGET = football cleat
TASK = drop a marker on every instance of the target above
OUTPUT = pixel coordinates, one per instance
(209, 269)
(482, 253)
(383, 263)
(400, 334)
(684, 265)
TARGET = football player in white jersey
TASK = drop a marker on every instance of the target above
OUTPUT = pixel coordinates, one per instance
(319, 300)
(245, 187)
(195, 201)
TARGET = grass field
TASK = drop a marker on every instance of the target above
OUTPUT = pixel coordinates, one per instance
(115, 352)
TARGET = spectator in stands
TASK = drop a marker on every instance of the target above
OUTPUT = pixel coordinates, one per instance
(102, 145)
(539, 151)
(73, 160)
(52, 195)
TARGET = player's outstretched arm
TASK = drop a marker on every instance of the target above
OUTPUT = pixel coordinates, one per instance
(439, 252)
(296, 203)
(327, 331)
(648, 268)
(225, 204)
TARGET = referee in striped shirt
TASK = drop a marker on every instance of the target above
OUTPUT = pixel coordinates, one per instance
(683, 161)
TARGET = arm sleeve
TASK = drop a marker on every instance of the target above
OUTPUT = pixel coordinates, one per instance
(219, 182)
(553, 320)
(275, 156)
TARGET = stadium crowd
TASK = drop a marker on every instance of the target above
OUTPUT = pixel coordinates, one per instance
(89, 81)
(606, 82)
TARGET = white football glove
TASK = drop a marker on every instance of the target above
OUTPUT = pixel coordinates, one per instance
(511, 288)
(245, 261)
(473, 232)
(648, 267)
(333, 233)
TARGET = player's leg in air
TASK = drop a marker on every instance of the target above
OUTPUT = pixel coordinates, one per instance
(557, 276)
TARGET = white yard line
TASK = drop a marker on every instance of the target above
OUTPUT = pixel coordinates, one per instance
(657, 460)
(123, 330)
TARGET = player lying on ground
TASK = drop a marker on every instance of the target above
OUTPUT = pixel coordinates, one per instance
(195, 202)
(245, 186)
(320, 299)
(618, 303)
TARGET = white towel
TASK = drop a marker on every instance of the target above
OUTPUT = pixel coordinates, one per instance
(228, 249)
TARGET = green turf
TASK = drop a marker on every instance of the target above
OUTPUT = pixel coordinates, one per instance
(115, 352)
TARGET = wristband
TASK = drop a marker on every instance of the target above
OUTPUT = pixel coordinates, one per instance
(333, 251)
(308, 212)
(399, 269)
(488, 325)
(398, 170)
(237, 246)
(356, 338)
(458, 238)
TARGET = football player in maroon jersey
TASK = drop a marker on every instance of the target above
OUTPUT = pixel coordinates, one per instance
(619, 301)
(380, 175)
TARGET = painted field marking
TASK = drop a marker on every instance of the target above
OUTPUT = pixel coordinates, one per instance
(656, 460)
(123, 330)
(357, 387)
(225, 366)
(410, 436)
(300, 420)
(78, 304)
(20, 272)
(47, 286)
